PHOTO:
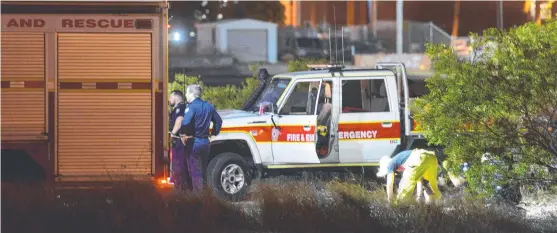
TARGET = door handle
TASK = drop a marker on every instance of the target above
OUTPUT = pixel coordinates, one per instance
(387, 124)
(307, 127)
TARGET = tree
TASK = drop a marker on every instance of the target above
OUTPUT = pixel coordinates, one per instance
(222, 97)
(500, 103)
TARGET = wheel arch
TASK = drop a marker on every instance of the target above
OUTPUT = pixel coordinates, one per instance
(240, 143)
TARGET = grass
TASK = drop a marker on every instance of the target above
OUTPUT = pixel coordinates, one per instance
(305, 205)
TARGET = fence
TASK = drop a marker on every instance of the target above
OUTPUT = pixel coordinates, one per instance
(358, 39)
(415, 35)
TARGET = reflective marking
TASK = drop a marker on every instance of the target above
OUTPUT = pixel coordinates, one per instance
(358, 134)
(296, 137)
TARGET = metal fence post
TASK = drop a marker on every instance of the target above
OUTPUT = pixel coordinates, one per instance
(431, 31)
(409, 31)
(399, 25)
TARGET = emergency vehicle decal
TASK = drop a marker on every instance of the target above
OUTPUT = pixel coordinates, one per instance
(367, 131)
(299, 134)
(275, 134)
(290, 133)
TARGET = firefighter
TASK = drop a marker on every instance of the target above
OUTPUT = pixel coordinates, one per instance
(198, 115)
(418, 166)
(178, 169)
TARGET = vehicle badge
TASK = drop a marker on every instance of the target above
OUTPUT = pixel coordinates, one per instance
(275, 134)
(253, 133)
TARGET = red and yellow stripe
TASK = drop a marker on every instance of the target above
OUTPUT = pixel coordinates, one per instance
(263, 133)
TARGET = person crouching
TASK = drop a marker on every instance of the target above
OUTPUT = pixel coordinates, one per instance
(418, 166)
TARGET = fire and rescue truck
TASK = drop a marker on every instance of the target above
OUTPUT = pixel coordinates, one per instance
(83, 94)
(327, 117)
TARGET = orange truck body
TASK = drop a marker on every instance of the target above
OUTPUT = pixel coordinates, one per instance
(84, 88)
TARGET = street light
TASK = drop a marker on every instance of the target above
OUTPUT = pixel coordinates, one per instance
(176, 36)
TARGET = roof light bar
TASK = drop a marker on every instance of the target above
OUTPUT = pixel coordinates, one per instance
(325, 66)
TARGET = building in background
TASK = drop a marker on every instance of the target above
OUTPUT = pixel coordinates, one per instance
(475, 16)
(248, 40)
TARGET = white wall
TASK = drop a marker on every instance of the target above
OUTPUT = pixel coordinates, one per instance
(204, 40)
(222, 35)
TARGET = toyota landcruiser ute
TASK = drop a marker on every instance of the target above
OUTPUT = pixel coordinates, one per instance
(327, 117)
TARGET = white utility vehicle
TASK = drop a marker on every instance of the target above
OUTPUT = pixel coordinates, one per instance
(327, 117)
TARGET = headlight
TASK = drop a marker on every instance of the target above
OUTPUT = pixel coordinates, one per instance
(302, 52)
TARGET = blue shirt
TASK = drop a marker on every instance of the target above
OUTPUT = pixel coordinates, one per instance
(201, 113)
(398, 160)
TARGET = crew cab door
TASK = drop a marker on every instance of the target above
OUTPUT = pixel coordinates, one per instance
(294, 137)
(368, 125)
(402, 93)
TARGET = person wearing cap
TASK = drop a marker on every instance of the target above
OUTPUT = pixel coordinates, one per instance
(417, 165)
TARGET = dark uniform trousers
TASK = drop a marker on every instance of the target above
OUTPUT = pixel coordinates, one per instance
(197, 151)
(178, 169)
(198, 116)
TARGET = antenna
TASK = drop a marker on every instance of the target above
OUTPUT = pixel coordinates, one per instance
(342, 42)
(335, 22)
(330, 48)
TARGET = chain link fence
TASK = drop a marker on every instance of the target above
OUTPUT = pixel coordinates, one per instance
(415, 36)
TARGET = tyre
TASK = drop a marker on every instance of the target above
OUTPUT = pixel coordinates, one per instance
(228, 177)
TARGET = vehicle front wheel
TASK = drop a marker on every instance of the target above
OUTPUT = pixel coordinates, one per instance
(228, 176)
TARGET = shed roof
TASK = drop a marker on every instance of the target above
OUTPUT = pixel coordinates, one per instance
(238, 23)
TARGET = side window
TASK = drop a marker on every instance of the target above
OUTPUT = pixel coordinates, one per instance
(366, 95)
(302, 99)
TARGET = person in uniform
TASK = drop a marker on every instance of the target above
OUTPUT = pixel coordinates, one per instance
(418, 166)
(178, 165)
(198, 115)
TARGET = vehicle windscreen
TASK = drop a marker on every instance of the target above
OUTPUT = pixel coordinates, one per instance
(312, 43)
(272, 92)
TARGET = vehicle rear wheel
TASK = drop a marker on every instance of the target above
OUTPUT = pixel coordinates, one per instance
(228, 176)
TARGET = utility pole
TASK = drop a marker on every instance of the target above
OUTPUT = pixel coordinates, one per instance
(456, 18)
(372, 15)
(399, 26)
(500, 24)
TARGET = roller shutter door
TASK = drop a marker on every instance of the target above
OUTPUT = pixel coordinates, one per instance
(248, 45)
(23, 93)
(104, 130)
